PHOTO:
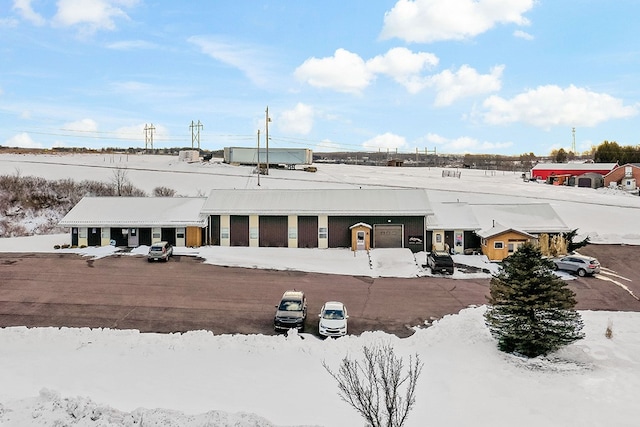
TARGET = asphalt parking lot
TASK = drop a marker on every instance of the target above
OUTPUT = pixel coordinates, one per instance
(127, 292)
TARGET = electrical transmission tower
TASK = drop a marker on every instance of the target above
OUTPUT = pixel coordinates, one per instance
(573, 144)
(195, 133)
(148, 136)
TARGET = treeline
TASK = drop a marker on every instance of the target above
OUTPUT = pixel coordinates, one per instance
(32, 205)
(612, 152)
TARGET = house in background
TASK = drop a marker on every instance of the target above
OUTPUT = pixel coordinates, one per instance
(627, 177)
(135, 221)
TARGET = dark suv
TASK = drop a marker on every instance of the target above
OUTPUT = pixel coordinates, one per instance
(440, 262)
(291, 313)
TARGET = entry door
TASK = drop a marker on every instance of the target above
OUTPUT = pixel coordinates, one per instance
(180, 237)
(133, 238)
(360, 246)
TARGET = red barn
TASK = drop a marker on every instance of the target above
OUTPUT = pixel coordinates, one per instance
(544, 170)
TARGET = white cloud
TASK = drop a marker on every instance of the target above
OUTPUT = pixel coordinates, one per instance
(347, 72)
(463, 83)
(522, 35)
(249, 59)
(22, 140)
(84, 125)
(344, 72)
(26, 11)
(385, 141)
(91, 15)
(8, 23)
(551, 105)
(404, 66)
(297, 120)
(464, 144)
(425, 21)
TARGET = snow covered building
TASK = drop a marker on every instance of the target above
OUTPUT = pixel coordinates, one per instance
(317, 218)
(545, 170)
(135, 221)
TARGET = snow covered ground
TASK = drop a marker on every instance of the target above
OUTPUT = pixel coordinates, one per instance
(87, 377)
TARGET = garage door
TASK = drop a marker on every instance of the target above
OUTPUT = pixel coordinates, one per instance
(387, 236)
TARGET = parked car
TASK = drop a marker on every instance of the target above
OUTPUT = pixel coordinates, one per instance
(291, 312)
(579, 264)
(160, 251)
(333, 319)
(440, 262)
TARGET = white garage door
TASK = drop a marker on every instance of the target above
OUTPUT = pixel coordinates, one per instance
(387, 236)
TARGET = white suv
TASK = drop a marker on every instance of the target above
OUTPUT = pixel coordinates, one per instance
(579, 264)
(333, 319)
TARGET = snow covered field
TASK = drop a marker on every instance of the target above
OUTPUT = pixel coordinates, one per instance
(89, 377)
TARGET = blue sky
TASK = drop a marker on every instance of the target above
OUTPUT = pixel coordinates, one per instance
(455, 76)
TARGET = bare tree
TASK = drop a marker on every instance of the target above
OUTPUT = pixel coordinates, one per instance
(120, 181)
(373, 386)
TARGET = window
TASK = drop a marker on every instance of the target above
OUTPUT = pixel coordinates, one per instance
(510, 248)
(498, 245)
(224, 233)
(323, 233)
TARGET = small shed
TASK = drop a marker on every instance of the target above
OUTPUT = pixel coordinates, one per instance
(395, 162)
(590, 180)
(360, 236)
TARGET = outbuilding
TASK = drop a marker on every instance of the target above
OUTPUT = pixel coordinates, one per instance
(545, 170)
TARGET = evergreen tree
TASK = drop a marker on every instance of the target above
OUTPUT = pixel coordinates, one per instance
(531, 311)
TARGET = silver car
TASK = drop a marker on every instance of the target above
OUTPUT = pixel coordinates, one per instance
(160, 251)
(579, 264)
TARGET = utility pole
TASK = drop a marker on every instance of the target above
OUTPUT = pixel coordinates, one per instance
(259, 171)
(195, 133)
(267, 120)
(148, 136)
(573, 145)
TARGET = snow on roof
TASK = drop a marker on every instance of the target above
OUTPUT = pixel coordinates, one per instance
(136, 211)
(575, 166)
(497, 229)
(531, 218)
(452, 215)
(336, 202)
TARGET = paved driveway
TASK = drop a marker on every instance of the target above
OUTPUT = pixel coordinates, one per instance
(184, 294)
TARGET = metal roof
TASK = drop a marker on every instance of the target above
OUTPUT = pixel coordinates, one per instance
(532, 218)
(452, 215)
(136, 212)
(333, 202)
(498, 229)
(575, 166)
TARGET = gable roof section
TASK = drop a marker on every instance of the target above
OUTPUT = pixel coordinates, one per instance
(136, 212)
(499, 229)
(575, 166)
(331, 202)
(452, 216)
(532, 218)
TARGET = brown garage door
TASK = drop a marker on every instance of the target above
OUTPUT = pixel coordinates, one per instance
(307, 231)
(387, 236)
(239, 233)
(273, 231)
